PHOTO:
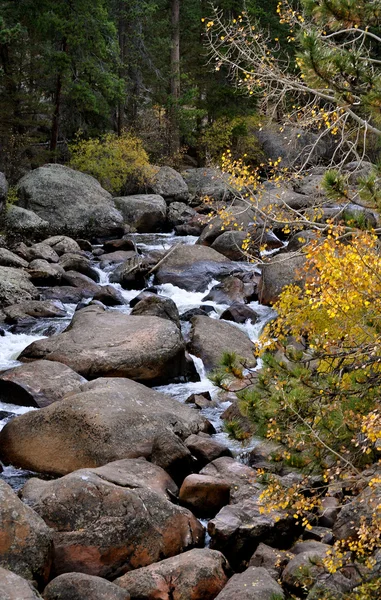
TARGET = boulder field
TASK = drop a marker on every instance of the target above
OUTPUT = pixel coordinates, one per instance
(108, 325)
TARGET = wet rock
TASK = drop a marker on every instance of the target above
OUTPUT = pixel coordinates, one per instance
(271, 559)
(117, 257)
(190, 576)
(192, 267)
(44, 273)
(105, 525)
(15, 286)
(38, 383)
(157, 306)
(142, 296)
(63, 244)
(230, 291)
(211, 338)
(69, 200)
(81, 264)
(179, 214)
(100, 343)
(34, 308)
(193, 312)
(284, 269)
(208, 182)
(67, 294)
(14, 587)
(172, 455)
(192, 227)
(26, 223)
(84, 283)
(239, 313)
(109, 419)
(144, 212)
(169, 184)
(78, 586)
(253, 584)
(205, 448)
(125, 243)
(10, 259)
(229, 243)
(109, 296)
(25, 540)
(130, 274)
(204, 495)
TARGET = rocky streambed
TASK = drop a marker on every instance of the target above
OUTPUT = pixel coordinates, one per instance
(119, 479)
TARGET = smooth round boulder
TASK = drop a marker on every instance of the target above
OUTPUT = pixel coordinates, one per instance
(81, 264)
(25, 223)
(10, 259)
(144, 212)
(14, 587)
(284, 269)
(26, 542)
(179, 214)
(44, 273)
(230, 291)
(38, 383)
(205, 448)
(106, 527)
(37, 309)
(229, 243)
(239, 313)
(253, 584)
(193, 575)
(109, 419)
(208, 182)
(204, 495)
(71, 202)
(79, 586)
(169, 184)
(211, 338)
(63, 244)
(110, 344)
(157, 306)
(42, 251)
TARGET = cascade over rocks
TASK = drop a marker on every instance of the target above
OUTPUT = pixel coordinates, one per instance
(109, 419)
(211, 338)
(25, 540)
(144, 212)
(194, 575)
(110, 344)
(70, 201)
(105, 524)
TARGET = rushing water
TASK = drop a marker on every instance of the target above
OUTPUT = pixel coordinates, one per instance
(11, 345)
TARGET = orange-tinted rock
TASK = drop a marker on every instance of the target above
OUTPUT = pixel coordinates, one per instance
(194, 575)
(205, 448)
(25, 540)
(78, 586)
(204, 495)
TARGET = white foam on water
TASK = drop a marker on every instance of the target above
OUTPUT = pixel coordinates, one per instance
(11, 346)
(185, 300)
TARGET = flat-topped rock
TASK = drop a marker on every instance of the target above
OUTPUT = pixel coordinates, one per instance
(107, 420)
(110, 344)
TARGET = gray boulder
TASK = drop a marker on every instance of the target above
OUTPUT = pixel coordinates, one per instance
(157, 306)
(211, 338)
(144, 212)
(26, 223)
(10, 259)
(229, 243)
(169, 184)
(295, 146)
(71, 202)
(208, 182)
(108, 419)
(38, 383)
(3, 190)
(15, 286)
(63, 245)
(79, 586)
(101, 344)
(36, 309)
(179, 214)
(14, 587)
(285, 269)
(253, 584)
(44, 273)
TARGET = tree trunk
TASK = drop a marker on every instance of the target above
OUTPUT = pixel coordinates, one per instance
(57, 108)
(122, 70)
(175, 77)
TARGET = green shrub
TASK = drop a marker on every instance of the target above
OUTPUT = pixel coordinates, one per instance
(237, 134)
(118, 163)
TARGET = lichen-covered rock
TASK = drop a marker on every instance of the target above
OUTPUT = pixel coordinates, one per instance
(15, 286)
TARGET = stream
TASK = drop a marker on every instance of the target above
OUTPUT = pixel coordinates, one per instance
(11, 345)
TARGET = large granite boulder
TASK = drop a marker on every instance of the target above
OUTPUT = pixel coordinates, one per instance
(253, 584)
(169, 184)
(109, 419)
(15, 286)
(110, 344)
(192, 267)
(211, 338)
(14, 587)
(194, 575)
(3, 190)
(71, 202)
(144, 212)
(25, 540)
(105, 524)
(25, 223)
(208, 182)
(10, 259)
(284, 269)
(38, 383)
